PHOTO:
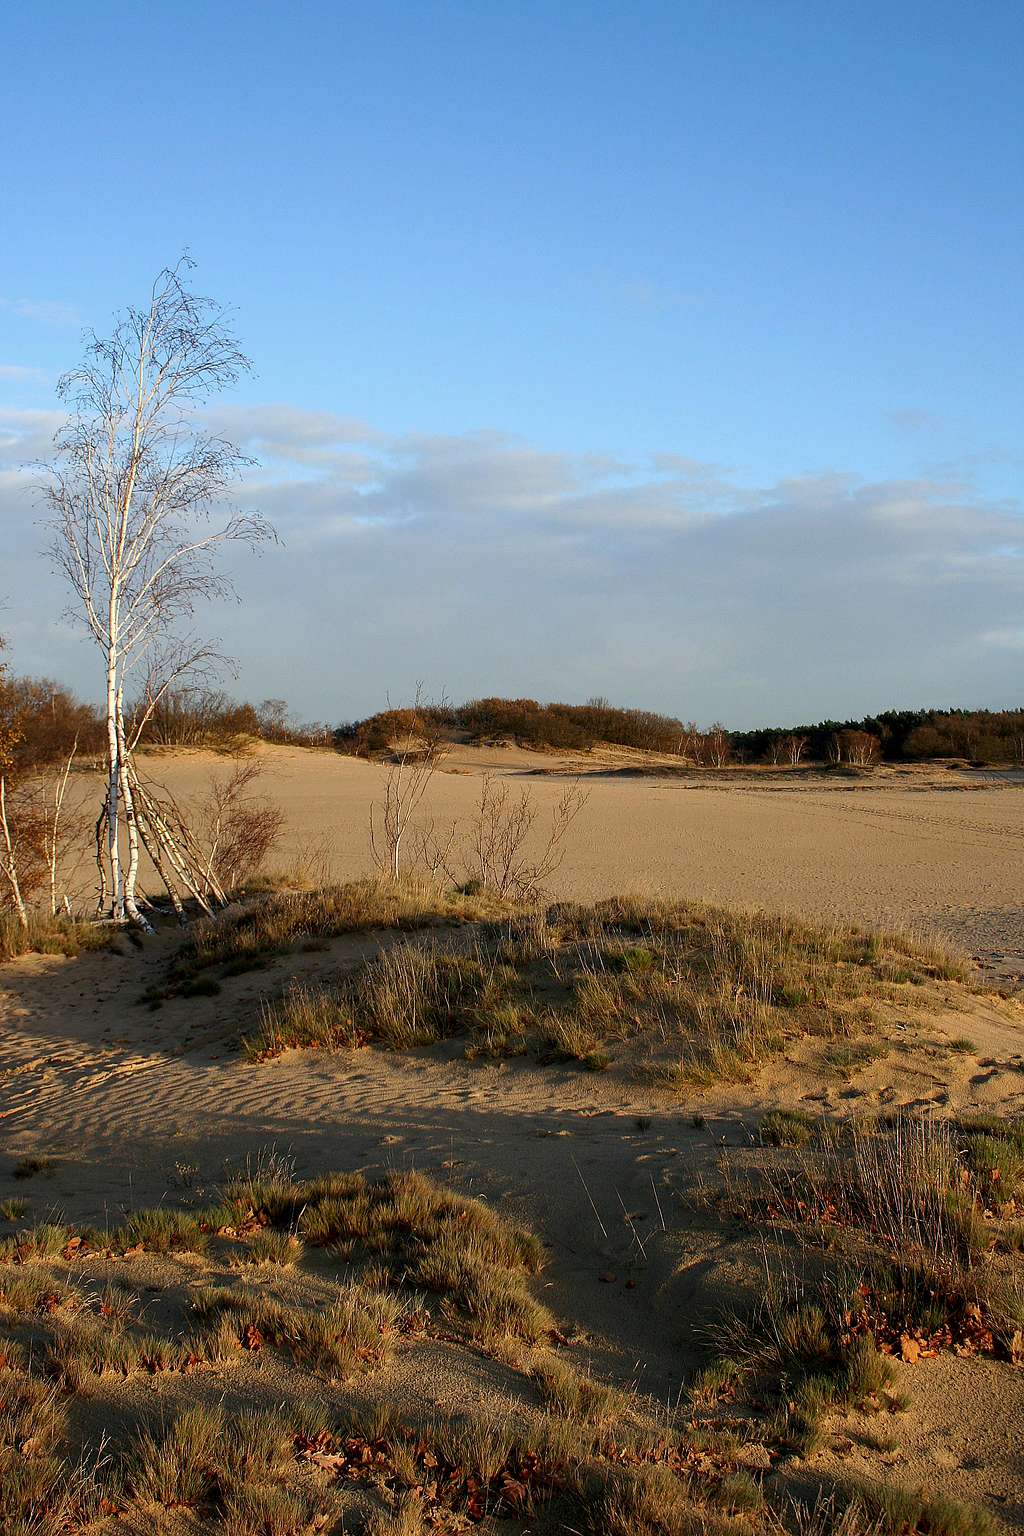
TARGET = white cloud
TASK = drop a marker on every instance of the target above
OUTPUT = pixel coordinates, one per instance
(45, 311)
(26, 436)
(485, 563)
(17, 373)
(1010, 637)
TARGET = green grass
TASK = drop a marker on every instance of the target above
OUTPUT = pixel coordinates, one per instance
(898, 1510)
(851, 1056)
(882, 1246)
(417, 1257)
(411, 1261)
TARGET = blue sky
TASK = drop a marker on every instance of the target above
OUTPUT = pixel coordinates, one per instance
(668, 351)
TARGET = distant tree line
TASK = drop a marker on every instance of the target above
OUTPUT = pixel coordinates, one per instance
(905, 735)
(51, 719)
(194, 717)
(524, 722)
(990, 736)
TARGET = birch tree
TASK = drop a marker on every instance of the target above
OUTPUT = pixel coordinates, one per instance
(9, 737)
(136, 498)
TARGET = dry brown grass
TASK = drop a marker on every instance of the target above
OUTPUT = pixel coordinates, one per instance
(419, 1265)
(47, 935)
(416, 1258)
(282, 920)
(880, 1241)
(704, 994)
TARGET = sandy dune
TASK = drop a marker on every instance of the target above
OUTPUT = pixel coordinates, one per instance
(133, 1103)
(141, 1107)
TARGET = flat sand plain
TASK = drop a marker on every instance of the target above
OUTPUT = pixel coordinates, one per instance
(925, 846)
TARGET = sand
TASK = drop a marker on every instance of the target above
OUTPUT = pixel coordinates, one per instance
(128, 1099)
(940, 848)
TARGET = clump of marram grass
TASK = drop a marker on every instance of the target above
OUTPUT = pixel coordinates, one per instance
(204, 1458)
(31, 1412)
(573, 1038)
(786, 1128)
(447, 1243)
(35, 1163)
(281, 921)
(76, 1337)
(161, 1230)
(32, 1287)
(891, 1510)
(890, 1221)
(796, 1347)
(46, 935)
(406, 996)
(709, 993)
(356, 1332)
(907, 1186)
(994, 1153)
(270, 1247)
(573, 1395)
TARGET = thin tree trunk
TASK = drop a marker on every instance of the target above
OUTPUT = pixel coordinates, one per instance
(157, 831)
(131, 877)
(101, 899)
(151, 844)
(113, 788)
(10, 864)
(58, 801)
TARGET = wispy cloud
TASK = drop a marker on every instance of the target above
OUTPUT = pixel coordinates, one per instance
(45, 311)
(17, 373)
(912, 419)
(486, 563)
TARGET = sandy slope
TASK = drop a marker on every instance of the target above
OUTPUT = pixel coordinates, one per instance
(136, 1103)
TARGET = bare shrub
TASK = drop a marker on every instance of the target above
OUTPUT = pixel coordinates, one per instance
(196, 717)
(497, 853)
(417, 749)
(38, 744)
(718, 748)
(237, 828)
(37, 829)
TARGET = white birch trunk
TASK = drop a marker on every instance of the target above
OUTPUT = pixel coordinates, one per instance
(131, 906)
(58, 802)
(113, 783)
(10, 863)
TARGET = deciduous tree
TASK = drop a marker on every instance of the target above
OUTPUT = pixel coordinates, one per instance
(134, 495)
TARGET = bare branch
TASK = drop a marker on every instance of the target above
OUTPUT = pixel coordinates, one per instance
(134, 499)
